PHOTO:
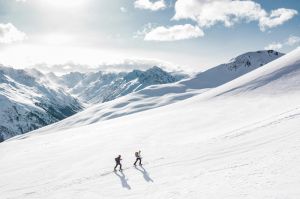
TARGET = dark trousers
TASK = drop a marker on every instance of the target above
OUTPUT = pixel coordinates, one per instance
(138, 159)
(118, 164)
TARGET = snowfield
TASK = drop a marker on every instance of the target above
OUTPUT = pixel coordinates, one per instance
(238, 140)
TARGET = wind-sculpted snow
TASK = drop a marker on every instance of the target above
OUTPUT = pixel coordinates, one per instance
(230, 142)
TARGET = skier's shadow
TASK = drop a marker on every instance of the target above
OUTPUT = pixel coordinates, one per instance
(145, 173)
(123, 180)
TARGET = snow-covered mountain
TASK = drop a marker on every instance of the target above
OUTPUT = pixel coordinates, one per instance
(30, 101)
(235, 68)
(102, 87)
(238, 140)
(163, 94)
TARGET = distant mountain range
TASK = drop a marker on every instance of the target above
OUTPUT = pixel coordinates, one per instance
(163, 94)
(30, 99)
(102, 87)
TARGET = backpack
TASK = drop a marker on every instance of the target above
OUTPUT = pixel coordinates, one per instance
(137, 154)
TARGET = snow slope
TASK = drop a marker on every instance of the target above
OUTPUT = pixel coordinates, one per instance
(163, 94)
(240, 140)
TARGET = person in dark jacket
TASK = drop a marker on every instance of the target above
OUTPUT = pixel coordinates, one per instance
(138, 158)
(118, 163)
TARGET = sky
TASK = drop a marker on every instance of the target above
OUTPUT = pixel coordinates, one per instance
(188, 35)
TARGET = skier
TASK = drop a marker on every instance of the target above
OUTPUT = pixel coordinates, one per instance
(138, 158)
(118, 163)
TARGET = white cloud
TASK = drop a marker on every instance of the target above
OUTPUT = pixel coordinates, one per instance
(149, 5)
(9, 34)
(293, 40)
(141, 33)
(174, 33)
(276, 18)
(229, 12)
(274, 46)
(125, 65)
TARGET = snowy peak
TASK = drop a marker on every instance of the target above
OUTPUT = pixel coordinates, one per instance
(71, 79)
(98, 87)
(154, 75)
(19, 76)
(253, 59)
(227, 72)
(278, 77)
